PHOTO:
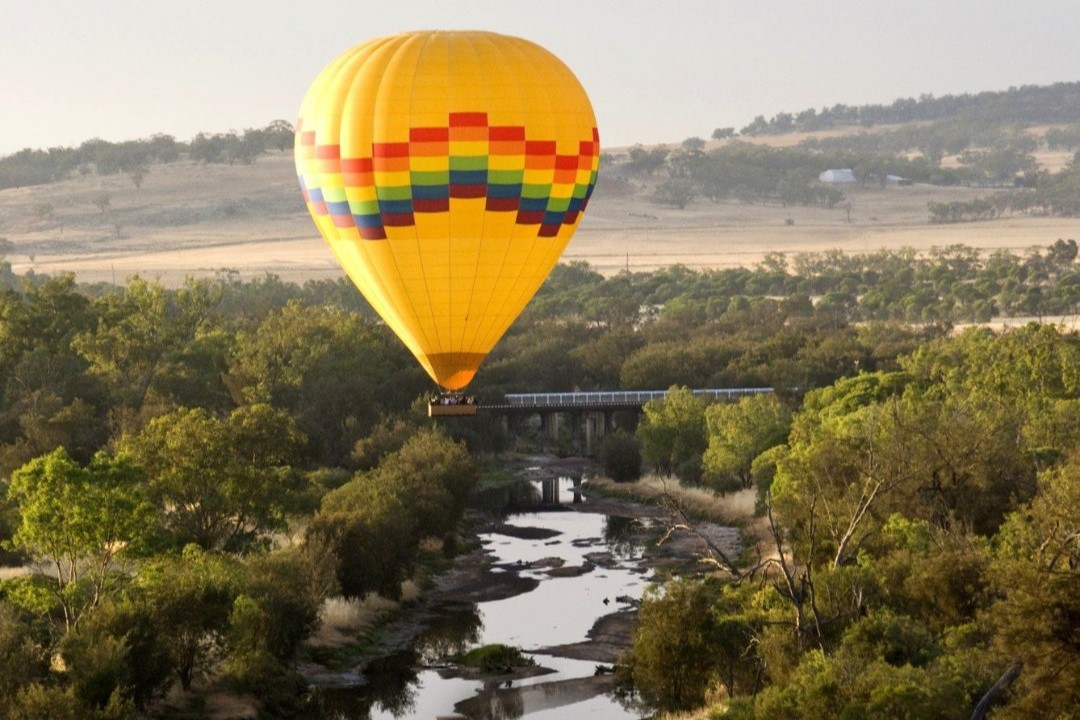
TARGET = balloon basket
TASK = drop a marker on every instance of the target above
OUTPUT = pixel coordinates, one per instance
(450, 405)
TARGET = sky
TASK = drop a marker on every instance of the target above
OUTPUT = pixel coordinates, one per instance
(656, 71)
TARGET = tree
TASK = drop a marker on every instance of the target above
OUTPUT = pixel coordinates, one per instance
(190, 598)
(690, 637)
(373, 524)
(279, 134)
(276, 611)
(738, 433)
(675, 191)
(335, 372)
(672, 433)
(646, 162)
(693, 144)
(22, 659)
(43, 211)
(433, 476)
(137, 173)
(80, 522)
(220, 483)
(371, 534)
(141, 331)
(102, 201)
(621, 455)
(723, 133)
(1037, 577)
(387, 437)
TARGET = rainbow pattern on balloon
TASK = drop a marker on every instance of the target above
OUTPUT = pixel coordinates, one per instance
(422, 174)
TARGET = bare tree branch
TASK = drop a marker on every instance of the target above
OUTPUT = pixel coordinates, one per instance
(995, 691)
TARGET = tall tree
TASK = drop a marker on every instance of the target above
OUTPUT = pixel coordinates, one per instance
(672, 433)
(220, 483)
(78, 523)
(738, 433)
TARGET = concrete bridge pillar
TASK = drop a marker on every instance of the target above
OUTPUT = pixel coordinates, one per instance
(549, 422)
(549, 491)
(596, 427)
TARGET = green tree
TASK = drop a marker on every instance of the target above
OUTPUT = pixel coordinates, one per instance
(140, 331)
(102, 201)
(646, 162)
(672, 433)
(190, 598)
(674, 659)
(22, 658)
(81, 523)
(278, 609)
(279, 134)
(371, 534)
(1037, 577)
(675, 191)
(335, 372)
(374, 523)
(220, 483)
(433, 476)
(120, 649)
(738, 433)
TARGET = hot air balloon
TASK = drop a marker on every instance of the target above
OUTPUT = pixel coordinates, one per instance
(447, 171)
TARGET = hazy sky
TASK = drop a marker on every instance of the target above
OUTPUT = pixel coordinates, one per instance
(656, 71)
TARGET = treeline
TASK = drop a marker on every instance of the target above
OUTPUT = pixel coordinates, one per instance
(916, 554)
(760, 174)
(950, 284)
(789, 176)
(935, 140)
(1050, 194)
(1025, 105)
(135, 157)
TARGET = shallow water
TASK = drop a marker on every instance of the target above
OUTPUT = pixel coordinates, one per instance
(560, 610)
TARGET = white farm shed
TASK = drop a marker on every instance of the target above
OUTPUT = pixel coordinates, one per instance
(841, 175)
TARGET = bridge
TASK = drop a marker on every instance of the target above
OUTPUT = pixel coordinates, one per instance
(605, 400)
(588, 416)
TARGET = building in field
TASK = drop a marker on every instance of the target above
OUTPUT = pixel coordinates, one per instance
(838, 175)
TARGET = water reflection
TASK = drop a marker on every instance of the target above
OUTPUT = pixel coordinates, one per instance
(393, 683)
(530, 496)
(493, 702)
(622, 535)
(391, 686)
(457, 629)
(559, 610)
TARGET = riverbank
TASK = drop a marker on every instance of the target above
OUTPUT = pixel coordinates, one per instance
(515, 563)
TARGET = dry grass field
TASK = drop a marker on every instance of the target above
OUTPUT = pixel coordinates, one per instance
(196, 220)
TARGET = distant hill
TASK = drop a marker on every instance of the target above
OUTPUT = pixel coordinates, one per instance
(1026, 105)
(230, 202)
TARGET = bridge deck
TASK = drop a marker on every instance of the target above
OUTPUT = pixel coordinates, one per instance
(605, 400)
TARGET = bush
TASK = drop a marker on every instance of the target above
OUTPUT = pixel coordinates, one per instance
(621, 455)
(495, 659)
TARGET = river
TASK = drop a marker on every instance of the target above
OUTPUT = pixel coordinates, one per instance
(580, 566)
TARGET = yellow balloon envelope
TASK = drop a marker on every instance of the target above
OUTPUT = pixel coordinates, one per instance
(447, 172)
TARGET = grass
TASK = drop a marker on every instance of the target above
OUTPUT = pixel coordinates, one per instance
(348, 626)
(735, 509)
(495, 659)
(8, 573)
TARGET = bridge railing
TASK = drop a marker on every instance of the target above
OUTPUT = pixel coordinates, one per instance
(622, 397)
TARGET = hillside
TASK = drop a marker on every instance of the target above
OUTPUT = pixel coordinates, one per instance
(198, 218)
